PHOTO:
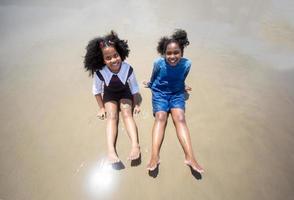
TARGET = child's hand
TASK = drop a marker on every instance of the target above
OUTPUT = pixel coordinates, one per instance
(188, 88)
(146, 84)
(137, 109)
(101, 114)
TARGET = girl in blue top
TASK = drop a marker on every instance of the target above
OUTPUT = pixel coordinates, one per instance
(168, 96)
(115, 89)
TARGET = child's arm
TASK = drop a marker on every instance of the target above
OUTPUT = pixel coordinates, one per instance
(134, 87)
(101, 113)
(137, 99)
(187, 70)
(97, 90)
(188, 88)
(155, 72)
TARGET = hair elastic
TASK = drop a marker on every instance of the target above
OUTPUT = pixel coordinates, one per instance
(101, 45)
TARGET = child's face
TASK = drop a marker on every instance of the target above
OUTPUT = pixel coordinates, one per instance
(111, 58)
(173, 54)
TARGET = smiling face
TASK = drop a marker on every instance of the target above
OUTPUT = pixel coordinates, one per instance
(173, 54)
(112, 59)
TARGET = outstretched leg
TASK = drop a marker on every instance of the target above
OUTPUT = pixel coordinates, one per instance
(178, 116)
(127, 115)
(157, 138)
(111, 108)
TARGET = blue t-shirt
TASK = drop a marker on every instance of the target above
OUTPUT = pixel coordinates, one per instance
(167, 79)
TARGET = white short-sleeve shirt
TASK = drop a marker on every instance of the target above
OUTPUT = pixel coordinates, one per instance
(122, 75)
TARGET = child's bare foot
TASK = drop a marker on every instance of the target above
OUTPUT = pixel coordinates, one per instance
(153, 163)
(195, 166)
(113, 158)
(135, 153)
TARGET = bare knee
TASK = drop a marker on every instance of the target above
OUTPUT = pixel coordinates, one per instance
(179, 118)
(126, 108)
(112, 115)
(111, 111)
(126, 113)
(161, 117)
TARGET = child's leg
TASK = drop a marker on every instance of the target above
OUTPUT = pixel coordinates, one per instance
(178, 116)
(127, 115)
(111, 108)
(157, 138)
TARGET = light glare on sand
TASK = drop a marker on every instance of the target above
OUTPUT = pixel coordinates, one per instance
(101, 178)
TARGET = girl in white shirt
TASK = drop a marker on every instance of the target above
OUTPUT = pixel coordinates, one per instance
(115, 89)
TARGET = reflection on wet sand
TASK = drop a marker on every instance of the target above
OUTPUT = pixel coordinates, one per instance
(101, 179)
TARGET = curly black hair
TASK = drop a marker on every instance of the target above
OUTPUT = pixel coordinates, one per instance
(179, 37)
(93, 59)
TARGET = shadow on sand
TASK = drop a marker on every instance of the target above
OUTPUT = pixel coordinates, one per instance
(136, 162)
(154, 173)
(118, 166)
(196, 174)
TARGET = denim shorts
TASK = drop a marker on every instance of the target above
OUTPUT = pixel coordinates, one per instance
(165, 102)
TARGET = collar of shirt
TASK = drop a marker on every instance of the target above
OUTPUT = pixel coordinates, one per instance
(122, 74)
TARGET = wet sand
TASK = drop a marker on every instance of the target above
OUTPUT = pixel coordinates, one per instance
(240, 112)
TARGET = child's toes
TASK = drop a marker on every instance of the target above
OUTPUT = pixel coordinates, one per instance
(134, 154)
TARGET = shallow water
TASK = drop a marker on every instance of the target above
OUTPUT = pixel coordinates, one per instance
(240, 111)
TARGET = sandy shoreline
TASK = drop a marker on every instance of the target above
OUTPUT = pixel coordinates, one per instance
(240, 111)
